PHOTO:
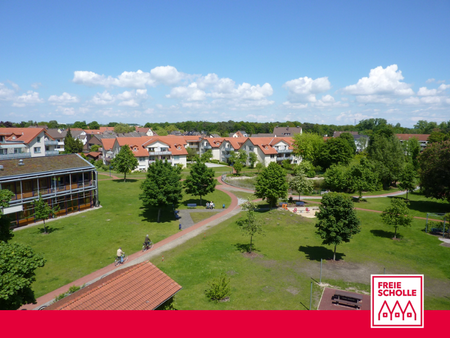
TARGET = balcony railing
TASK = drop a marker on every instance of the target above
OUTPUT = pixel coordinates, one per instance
(154, 153)
(153, 161)
(208, 147)
(50, 143)
(281, 151)
(51, 152)
(13, 156)
(52, 190)
(282, 158)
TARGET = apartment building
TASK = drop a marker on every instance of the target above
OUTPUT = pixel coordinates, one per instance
(68, 181)
(16, 143)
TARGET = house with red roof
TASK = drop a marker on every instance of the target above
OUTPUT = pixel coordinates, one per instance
(138, 287)
(26, 142)
(422, 138)
(272, 149)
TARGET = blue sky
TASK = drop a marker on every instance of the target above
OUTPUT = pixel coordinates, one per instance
(328, 62)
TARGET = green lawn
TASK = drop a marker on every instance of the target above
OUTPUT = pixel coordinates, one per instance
(200, 216)
(244, 195)
(288, 259)
(218, 197)
(83, 243)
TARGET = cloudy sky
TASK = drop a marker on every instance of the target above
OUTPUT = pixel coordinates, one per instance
(333, 62)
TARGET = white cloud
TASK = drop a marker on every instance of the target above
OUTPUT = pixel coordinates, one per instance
(349, 117)
(381, 82)
(430, 80)
(68, 111)
(423, 91)
(36, 85)
(304, 89)
(14, 85)
(103, 98)
(160, 75)
(6, 93)
(63, 99)
(291, 105)
(443, 87)
(29, 98)
(189, 93)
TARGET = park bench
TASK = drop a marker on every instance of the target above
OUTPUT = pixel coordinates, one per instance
(347, 299)
(192, 205)
(299, 204)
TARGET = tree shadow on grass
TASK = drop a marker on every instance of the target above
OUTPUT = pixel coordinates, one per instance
(316, 253)
(426, 206)
(49, 229)
(385, 234)
(197, 201)
(129, 180)
(151, 215)
(245, 247)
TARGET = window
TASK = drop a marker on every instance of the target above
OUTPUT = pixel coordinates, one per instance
(17, 150)
(176, 157)
(272, 156)
(251, 148)
(37, 150)
(141, 159)
(3, 151)
(38, 139)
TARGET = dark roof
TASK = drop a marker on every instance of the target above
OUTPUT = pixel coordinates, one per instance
(34, 165)
(286, 131)
(263, 135)
(138, 287)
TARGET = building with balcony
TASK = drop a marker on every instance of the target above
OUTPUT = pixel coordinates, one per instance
(17, 143)
(67, 181)
(271, 149)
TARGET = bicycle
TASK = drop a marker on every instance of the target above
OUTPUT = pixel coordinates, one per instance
(147, 246)
(117, 261)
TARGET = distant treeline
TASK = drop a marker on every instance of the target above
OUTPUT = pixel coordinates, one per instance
(224, 128)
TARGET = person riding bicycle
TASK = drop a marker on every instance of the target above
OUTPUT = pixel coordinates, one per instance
(147, 241)
(120, 254)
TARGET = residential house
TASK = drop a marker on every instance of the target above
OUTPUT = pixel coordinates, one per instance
(26, 143)
(229, 145)
(67, 181)
(286, 131)
(145, 131)
(213, 144)
(272, 149)
(138, 287)
(422, 138)
(239, 133)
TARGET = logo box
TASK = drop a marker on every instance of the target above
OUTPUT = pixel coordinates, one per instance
(397, 301)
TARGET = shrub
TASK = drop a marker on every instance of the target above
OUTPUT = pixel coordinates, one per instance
(98, 163)
(290, 200)
(219, 288)
(311, 174)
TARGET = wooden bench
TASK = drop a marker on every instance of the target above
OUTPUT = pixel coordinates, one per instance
(347, 299)
(192, 205)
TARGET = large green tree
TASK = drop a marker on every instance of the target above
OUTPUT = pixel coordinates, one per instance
(408, 179)
(361, 178)
(250, 225)
(43, 211)
(94, 125)
(389, 157)
(252, 158)
(335, 151)
(200, 181)
(125, 162)
(122, 128)
(412, 151)
(397, 215)
(71, 145)
(17, 273)
(162, 186)
(271, 184)
(337, 221)
(434, 172)
(308, 146)
(350, 139)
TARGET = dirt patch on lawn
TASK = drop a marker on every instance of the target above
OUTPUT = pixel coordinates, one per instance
(252, 255)
(293, 290)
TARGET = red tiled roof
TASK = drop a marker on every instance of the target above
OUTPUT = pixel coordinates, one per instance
(138, 287)
(142, 130)
(214, 142)
(264, 144)
(23, 134)
(108, 143)
(103, 129)
(419, 137)
(93, 132)
(94, 153)
(176, 143)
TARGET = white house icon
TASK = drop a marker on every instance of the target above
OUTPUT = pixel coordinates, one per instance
(397, 311)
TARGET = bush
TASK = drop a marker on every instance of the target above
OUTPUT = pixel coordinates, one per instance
(311, 174)
(214, 161)
(72, 289)
(290, 200)
(98, 163)
(219, 288)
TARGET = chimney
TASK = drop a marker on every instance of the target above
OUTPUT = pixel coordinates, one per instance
(20, 162)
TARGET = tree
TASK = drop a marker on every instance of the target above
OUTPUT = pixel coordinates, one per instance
(5, 232)
(200, 181)
(336, 150)
(271, 184)
(242, 157)
(191, 153)
(252, 158)
(308, 146)
(408, 179)
(206, 156)
(259, 166)
(80, 125)
(94, 125)
(300, 183)
(389, 157)
(250, 226)
(17, 273)
(238, 167)
(434, 172)
(71, 145)
(361, 178)
(43, 211)
(125, 162)
(95, 147)
(412, 151)
(162, 186)
(350, 139)
(337, 220)
(397, 214)
(122, 128)
(234, 156)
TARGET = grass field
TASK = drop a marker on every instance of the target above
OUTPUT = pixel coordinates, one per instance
(288, 258)
(83, 243)
(200, 216)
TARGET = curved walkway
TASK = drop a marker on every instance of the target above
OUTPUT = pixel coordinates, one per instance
(157, 250)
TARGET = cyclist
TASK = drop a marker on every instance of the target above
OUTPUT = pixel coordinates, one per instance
(120, 254)
(147, 241)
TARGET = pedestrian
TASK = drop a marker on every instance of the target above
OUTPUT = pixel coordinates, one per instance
(179, 226)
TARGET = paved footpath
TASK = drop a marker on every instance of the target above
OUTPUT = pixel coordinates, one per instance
(157, 250)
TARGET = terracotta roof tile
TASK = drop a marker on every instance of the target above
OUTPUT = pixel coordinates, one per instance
(419, 137)
(23, 134)
(108, 143)
(139, 287)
